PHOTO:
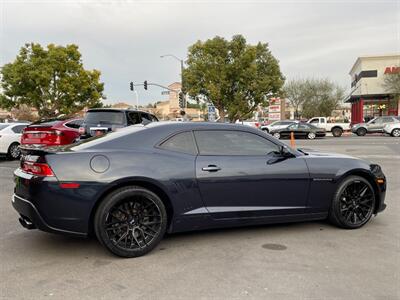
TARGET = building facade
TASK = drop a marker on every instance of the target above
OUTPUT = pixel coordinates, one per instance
(170, 110)
(369, 97)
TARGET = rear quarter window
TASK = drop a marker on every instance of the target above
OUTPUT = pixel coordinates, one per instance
(182, 142)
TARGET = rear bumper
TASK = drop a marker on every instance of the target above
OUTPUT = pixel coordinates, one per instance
(31, 218)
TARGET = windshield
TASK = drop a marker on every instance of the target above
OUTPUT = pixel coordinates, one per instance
(372, 121)
(105, 117)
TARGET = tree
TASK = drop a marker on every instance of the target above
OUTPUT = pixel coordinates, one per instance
(295, 92)
(234, 76)
(322, 97)
(51, 80)
(391, 82)
(23, 113)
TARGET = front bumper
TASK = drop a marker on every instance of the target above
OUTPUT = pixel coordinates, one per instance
(30, 217)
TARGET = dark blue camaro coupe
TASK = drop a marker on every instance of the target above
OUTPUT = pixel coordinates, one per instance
(131, 187)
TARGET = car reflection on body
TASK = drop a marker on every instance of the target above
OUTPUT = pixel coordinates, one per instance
(132, 186)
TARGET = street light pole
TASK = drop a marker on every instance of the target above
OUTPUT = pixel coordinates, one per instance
(178, 59)
(137, 99)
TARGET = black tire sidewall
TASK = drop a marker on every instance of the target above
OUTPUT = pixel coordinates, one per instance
(311, 138)
(337, 132)
(9, 155)
(393, 131)
(118, 196)
(361, 131)
(335, 216)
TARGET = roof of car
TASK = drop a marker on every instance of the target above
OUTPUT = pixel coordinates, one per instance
(117, 110)
(193, 125)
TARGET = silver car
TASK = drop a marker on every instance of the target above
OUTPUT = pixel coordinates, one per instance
(393, 129)
(375, 125)
(277, 125)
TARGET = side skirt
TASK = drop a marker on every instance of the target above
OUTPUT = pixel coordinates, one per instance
(202, 222)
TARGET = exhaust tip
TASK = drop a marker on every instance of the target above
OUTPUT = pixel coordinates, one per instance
(26, 223)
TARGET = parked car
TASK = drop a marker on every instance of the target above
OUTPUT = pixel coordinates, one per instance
(102, 120)
(52, 132)
(375, 125)
(277, 125)
(393, 129)
(336, 128)
(300, 130)
(251, 123)
(10, 136)
(131, 187)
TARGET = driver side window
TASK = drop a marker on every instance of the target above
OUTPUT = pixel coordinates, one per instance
(232, 142)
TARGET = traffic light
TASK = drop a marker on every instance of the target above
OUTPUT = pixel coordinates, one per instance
(181, 100)
(145, 84)
(131, 85)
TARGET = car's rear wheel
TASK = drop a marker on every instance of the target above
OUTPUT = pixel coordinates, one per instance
(361, 131)
(396, 132)
(337, 132)
(277, 135)
(130, 221)
(13, 151)
(311, 135)
(353, 203)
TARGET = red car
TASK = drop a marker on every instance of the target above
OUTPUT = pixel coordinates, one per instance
(52, 132)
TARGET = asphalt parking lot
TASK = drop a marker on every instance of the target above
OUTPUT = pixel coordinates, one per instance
(311, 260)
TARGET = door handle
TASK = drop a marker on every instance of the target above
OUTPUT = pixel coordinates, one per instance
(211, 168)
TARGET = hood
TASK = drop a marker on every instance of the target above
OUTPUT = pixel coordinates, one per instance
(316, 153)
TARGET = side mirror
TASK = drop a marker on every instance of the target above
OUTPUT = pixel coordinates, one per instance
(284, 152)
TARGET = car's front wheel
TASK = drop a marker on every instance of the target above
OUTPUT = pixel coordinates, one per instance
(311, 135)
(361, 131)
(277, 135)
(353, 203)
(130, 221)
(396, 132)
(13, 151)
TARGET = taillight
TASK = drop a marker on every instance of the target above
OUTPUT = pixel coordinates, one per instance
(81, 130)
(39, 169)
(55, 132)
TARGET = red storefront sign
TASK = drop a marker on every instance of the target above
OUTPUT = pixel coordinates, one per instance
(392, 70)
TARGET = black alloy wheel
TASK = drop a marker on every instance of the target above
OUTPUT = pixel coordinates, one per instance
(353, 204)
(131, 221)
(337, 132)
(13, 151)
(361, 131)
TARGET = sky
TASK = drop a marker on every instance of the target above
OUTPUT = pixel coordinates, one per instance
(125, 39)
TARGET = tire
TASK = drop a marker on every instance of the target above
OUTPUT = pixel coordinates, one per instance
(337, 132)
(130, 221)
(361, 131)
(277, 135)
(13, 151)
(349, 209)
(311, 135)
(265, 129)
(395, 132)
